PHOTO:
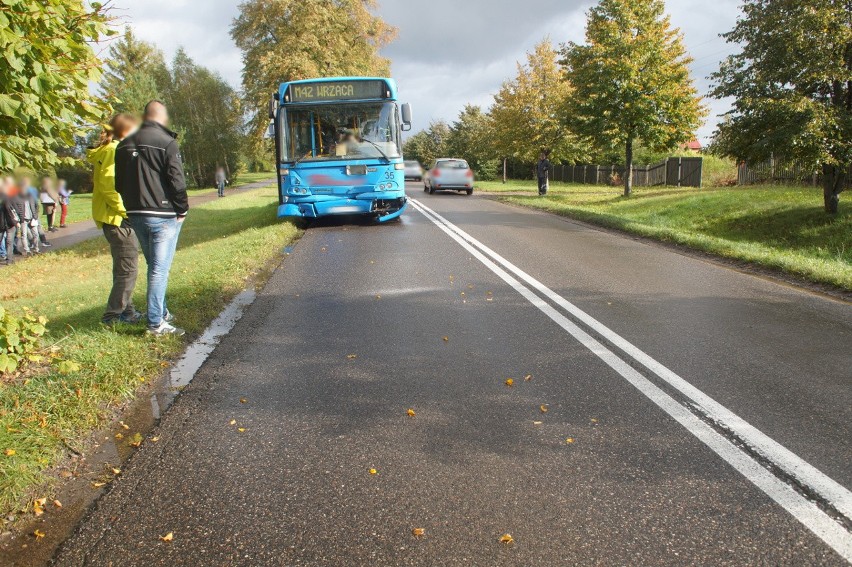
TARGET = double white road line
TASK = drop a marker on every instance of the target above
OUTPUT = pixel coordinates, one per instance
(792, 470)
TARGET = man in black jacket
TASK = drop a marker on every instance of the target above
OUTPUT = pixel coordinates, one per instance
(149, 177)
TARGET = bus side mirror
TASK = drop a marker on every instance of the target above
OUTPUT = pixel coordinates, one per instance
(406, 117)
(273, 106)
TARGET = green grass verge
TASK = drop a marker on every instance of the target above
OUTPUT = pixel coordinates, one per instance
(223, 243)
(778, 227)
(80, 208)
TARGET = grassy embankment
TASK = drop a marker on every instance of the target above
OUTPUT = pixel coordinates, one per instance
(223, 243)
(778, 227)
(80, 208)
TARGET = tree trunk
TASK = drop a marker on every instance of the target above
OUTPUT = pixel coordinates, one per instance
(628, 171)
(833, 180)
(505, 173)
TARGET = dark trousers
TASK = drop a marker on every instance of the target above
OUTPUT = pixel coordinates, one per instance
(542, 185)
(125, 259)
(50, 215)
(9, 236)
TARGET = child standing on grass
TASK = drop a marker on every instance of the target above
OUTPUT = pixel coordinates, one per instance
(64, 201)
(110, 215)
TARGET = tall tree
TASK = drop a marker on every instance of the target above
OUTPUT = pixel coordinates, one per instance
(285, 40)
(792, 84)
(632, 80)
(470, 138)
(135, 73)
(528, 114)
(428, 145)
(207, 113)
(44, 79)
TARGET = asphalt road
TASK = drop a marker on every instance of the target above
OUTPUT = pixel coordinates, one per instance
(362, 323)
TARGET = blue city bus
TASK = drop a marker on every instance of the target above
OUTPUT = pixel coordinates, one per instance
(338, 148)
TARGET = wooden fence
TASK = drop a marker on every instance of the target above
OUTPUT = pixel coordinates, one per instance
(678, 172)
(783, 172)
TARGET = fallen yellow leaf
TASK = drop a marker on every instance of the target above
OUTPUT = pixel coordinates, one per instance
(410, 412)
(446, 339)
(9, 452)
(510, 382)
(569, 440)
(154, 439)
(537, 423)
(241, 429)
(135, 440)
(528, 377)
(243, 401)
(119, 436)
(123, 425)
(233, 422)
(594, 420)
(543, 408)
(507, 539)
(116, 471)
(38, 534)
(168, 537)
(378, 296)
(98, 484)
(373, 471)
(57, 503)
(37, 509)
(418, 532)
(351, 356)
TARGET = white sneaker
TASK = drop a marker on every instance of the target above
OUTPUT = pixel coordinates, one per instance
(166, 329)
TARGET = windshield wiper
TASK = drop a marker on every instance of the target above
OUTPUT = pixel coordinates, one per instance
(375, 145)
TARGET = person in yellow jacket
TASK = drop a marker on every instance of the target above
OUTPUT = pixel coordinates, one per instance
(110, 216)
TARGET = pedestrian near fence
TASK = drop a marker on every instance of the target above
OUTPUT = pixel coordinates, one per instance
(543, 172)
(110, 216)
(150, 180)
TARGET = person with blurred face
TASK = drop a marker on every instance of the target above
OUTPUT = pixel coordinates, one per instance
(9, 222)
(47, 196)
(64, 201)
(150, 179)
(110, 216)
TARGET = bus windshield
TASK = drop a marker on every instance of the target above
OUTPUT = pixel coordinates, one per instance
(345, 131)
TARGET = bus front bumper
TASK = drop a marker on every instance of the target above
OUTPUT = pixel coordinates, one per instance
(384, 206)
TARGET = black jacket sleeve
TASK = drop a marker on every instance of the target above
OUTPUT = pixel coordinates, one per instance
(176, 180)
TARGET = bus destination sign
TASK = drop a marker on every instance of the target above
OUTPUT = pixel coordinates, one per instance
(337, 90)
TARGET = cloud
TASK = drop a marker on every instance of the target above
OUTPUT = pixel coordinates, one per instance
(449, 52)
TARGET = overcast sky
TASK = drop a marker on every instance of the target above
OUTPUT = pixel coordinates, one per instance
(448, 52)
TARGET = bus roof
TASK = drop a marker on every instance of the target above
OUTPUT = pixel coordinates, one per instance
(390, 84)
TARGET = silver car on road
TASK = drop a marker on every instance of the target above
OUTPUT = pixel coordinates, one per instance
(449, 174)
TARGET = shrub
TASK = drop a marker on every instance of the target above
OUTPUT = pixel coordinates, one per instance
(20, 338)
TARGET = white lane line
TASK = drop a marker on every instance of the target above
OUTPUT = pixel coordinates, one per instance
(807, 512)
(768, 448)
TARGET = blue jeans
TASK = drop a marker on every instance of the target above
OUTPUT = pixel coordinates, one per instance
(158, 240)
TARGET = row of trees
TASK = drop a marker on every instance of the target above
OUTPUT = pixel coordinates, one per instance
(628, 84)
(628, 87)
(49, 112)
(205, 110)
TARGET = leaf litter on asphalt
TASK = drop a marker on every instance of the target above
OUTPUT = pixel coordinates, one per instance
(418, 532)
(507, 539)
(410, 412)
